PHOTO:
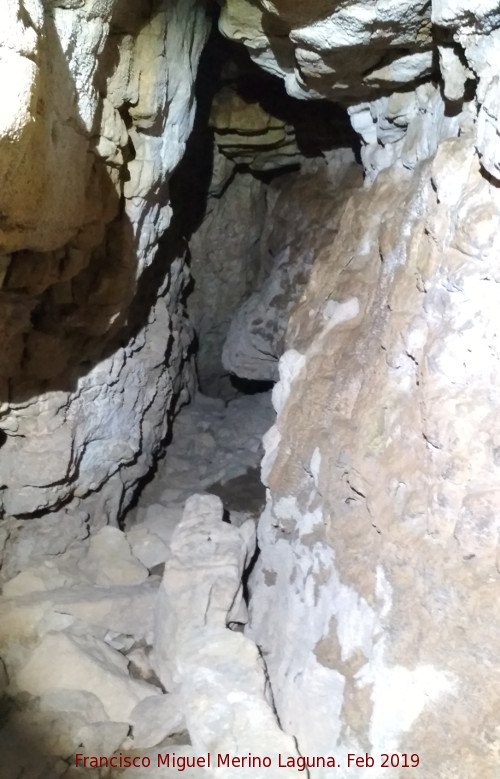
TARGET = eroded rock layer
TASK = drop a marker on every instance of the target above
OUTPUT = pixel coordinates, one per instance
(97, 111)
(379, 544)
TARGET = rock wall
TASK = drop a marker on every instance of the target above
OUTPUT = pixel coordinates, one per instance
(256, 157)
(302, 216)
(97, 108)
(251, 261)
(374, 596)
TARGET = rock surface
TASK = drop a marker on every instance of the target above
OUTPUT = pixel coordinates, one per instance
(379, 543)
(219, 673)
(87, 637)
(249, 248)
(247, 281)
(351, 50)
(302, 219)
(217, 448)
(96, 118)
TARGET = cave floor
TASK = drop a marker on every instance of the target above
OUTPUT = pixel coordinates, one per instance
(84, 621)
(216, 449)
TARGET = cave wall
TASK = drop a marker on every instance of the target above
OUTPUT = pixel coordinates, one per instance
(256, 157)
(302, 216)
(250, 261)
(374, 597)
(97, 107)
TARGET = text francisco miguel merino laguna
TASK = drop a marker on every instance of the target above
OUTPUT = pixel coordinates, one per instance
(181, 762)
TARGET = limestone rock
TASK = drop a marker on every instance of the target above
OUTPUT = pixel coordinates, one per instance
(230, 253)
(488, 130)
(98, 108)
(148, 547)
(36, 579)
(54, 537)
(103, 738)
(255, 339)
(56, 725)
(151, 532)
(154, 719)
(224, 256)
(322, 50)
(448, 13)
(248, 135)
(71, 702)
(63, 661)
(225, 667)
(373, 602)
(97, 611)
(363, 57)
(455, 73)
(109, 560)
(379, 541)
(140, 666)
(216, 448)
(60, 731)
(202, 580)
(218, 674)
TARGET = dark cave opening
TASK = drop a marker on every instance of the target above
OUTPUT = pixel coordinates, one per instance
(201, 195)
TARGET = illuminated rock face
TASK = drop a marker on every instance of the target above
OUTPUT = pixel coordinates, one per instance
(380, 538)
(380, 541)
(97, 110)
(332, 49)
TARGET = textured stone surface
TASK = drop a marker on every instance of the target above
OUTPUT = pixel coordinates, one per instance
(303, 214)
(380, 539)
(83, 664)
(248, 280)
(70, 675)
(77, 670)
(350, 50)
(249, 215)
(96, 116)
(24, 545)
(218, 673)
(109, 560)
(217, 449)
(379, 544)
(201, 585)
(248, 135)
(226, 264)
(380, 60)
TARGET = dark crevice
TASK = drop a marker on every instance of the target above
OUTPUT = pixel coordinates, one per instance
(250, 386)
(248, 574)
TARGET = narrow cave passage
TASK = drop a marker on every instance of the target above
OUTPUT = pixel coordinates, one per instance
(258, 193)
(257, 270)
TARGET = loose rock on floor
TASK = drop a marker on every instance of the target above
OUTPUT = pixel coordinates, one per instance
(103, 651)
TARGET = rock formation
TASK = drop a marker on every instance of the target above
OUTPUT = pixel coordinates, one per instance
(359, 619)
(379, 543)
(95, 119)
